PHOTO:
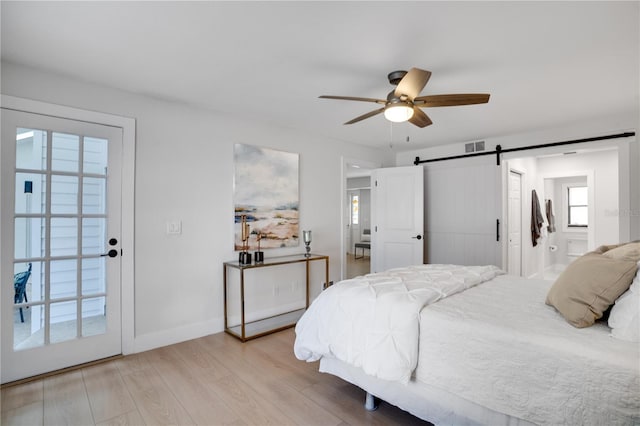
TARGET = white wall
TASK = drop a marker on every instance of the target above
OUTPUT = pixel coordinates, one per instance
(184, 171)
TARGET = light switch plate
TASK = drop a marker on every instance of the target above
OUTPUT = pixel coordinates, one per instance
(174, 227)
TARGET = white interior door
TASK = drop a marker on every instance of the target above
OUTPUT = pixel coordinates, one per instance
(515, 224)
(397, 217)
(61, 221)
(464, 197)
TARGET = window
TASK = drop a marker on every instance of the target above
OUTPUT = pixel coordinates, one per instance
(355, 209)
(577, 206)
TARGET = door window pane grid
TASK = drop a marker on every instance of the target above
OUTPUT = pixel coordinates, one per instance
(49, 232)
(31, 149)
(30, 193)
(65, 152)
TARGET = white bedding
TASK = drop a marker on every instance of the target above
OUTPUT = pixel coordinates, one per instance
(373, 321)
(508, 351)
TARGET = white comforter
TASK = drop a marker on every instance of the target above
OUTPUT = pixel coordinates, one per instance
(373, 321)
(508, 351)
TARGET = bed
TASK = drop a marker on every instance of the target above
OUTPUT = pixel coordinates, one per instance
(488, 349)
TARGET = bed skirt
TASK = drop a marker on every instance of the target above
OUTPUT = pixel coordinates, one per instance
(426, 402)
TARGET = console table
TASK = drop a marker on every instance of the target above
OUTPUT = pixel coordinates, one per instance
(250, 330)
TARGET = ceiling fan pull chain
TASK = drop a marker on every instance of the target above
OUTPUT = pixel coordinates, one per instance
(391, 135)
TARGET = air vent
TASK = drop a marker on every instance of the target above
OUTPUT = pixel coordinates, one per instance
(474, 146)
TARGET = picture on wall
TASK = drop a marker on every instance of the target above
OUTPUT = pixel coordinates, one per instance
(265, 191)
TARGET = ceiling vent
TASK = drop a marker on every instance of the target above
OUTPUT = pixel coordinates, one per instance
(474, 146)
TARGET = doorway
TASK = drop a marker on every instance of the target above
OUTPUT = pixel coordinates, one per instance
(356, 182)
(514, 225)
(570, 200)
(550, 172)
(61, 240)
(359, 224)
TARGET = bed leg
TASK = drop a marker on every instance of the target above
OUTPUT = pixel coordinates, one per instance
(370, 403)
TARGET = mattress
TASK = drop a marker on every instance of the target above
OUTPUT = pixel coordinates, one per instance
(499, 346)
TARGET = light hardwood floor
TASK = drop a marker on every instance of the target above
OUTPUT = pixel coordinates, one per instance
(214, 380)
(357, 267)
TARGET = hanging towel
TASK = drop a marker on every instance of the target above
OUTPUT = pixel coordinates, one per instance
(536, 218)
(550, 217)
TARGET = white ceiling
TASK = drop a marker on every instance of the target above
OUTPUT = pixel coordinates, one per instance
(545, 64)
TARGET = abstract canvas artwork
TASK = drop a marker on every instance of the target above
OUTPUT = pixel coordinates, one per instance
(266, 193)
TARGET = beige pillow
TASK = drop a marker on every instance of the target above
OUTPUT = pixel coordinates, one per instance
(630, 251)
(588, 286)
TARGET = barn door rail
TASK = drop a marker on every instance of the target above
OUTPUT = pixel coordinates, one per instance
(499, 150)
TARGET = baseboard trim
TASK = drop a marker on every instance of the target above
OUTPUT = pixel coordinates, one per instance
(175, 335)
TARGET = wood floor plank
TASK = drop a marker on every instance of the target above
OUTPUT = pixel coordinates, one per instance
(20, 395)
(346, 401)
(271, 377)
(188, 385)
(66, 401)
(213, 380)
(132, 363)
(154, 400)
(200, 362)
(252, 407)
(108, 395)
(25, 415)
(132, 418)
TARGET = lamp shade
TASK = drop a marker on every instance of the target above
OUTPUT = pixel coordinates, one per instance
(398, 112)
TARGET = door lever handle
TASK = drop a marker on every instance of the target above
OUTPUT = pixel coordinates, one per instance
(111, 253)
(418, 237)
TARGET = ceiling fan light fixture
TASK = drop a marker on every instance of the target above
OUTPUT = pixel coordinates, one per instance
(398, 112)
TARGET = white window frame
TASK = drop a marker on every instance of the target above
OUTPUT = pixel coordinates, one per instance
(568, 212)
(565, 208)
(355, 216)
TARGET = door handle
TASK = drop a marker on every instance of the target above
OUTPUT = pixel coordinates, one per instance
(418, 237)
(111, 253)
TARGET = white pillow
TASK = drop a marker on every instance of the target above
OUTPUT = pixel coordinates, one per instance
(624, 318)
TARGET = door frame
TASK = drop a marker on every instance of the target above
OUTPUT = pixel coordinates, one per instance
(591, 229)
(127, 245)
(346, 161)
(523, 216)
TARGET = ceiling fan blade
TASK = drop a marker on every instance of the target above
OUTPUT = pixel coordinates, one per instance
(353, 98)
(419, 118)
(451, 100)
(413, 83)
(365, 116)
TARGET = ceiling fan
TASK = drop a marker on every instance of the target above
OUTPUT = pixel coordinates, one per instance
(403, 103)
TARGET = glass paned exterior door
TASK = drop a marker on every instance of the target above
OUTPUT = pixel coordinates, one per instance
(64, 231)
